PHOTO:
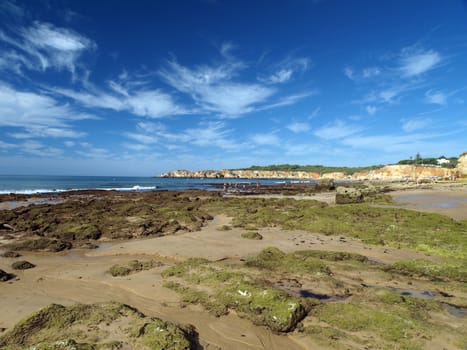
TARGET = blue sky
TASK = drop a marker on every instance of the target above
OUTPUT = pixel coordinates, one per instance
(142, 87)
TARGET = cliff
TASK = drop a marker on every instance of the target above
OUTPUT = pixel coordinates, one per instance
(462, 165)
(387, 173)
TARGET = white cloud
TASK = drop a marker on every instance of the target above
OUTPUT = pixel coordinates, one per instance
(206, 134)
(44, 131)
(314, 113)
(38, 115)
(298, 127)
(43, 46)
(136, 147)
(371, 72)
(69, 143)
(415, 62)
(286, 69)
(212, 89)
(265, 139)
(410, 125)
(371, 110)
(281, 76)
(39, 149)
(93, 152)
(349, 73)
(144, 103)
(337, 130)
(436, 97)
(6, 145)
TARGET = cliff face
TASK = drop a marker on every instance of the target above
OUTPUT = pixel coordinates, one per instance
(462, 165)
(387, 173)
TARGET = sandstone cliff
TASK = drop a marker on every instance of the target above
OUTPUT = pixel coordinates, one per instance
(462, 165)
(387, 173)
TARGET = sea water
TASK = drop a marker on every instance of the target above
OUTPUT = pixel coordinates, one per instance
(29, 184)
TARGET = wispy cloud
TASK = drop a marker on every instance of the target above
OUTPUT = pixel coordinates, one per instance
(39, 149)
(213, 90)
(349, 73)
(284, 70)
(43, 46)
(145, 103)
(206, 134)
(281, 76)
(436, 97)
(37, 115)
(415, 61)
(265, 139)
(337, 130)
(298, 127)
(371, 72)
(371, 110)
(415, 124)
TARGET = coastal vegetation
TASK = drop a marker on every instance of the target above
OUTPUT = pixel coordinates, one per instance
(320, 169)
(391, 227)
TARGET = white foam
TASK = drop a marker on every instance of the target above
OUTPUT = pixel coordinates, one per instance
(135, 188)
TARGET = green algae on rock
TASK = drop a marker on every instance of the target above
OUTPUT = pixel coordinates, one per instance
(108, 325)
(132, 267)
(220, 288)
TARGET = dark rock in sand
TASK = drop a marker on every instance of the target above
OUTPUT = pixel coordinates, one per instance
(5, 276)
(40, 244)
(11, 254)
(22, 265)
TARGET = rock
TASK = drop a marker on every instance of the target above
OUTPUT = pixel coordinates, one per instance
(348, 195)
(6, 227)
(462, 165)
(81, 327)
(22, 265)
(5, 276)
(325, 184)
(11, 254)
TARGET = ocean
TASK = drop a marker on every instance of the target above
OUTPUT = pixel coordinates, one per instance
(30, 184)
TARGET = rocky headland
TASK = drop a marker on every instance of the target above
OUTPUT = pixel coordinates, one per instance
(386, 173)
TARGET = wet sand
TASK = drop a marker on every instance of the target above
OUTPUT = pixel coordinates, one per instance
(446, 199)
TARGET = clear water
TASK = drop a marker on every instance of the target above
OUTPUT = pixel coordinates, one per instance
(29, 184)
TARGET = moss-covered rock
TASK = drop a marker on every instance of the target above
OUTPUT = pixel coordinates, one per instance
(58, 327)
(132, 267)
(252, 235)
(219, 289)
(349, 195)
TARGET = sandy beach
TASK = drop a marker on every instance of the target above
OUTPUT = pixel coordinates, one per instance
(81, 275)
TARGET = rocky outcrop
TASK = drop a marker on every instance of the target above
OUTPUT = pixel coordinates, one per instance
(462, 165)
(387, 173)
(348, 195)
(242, 174)
(404, 172)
